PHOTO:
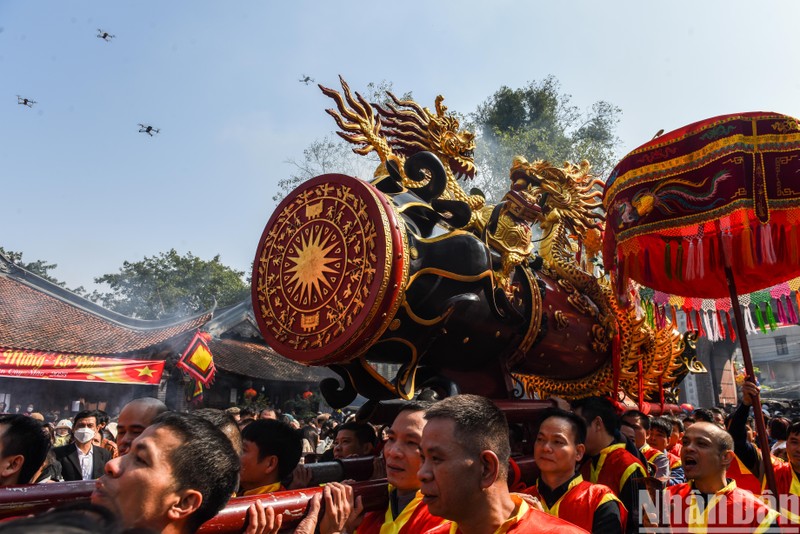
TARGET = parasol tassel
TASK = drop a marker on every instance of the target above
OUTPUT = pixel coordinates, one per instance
(690, 261)
(700, 269)
(712, 254)
(668, 261)
(710, 334)
(731, 331)
(747, 244)
(689, 325)
(767, 245)
(793, 256)
(748, 321)
(679, 261)
(773, 324)
(727, 248)
(780, 313)
(722, 333)
(790, 311)
(701, 332)
(760, 319)
(648, 273)
(781, 230)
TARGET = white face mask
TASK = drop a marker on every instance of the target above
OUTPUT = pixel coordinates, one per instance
(83, 435)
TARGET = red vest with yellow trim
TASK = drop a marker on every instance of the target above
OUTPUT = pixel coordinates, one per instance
(580, 502)
(727, 508)
(614, 467)
(533, 522)
(675, 449)
(674, 461)
(787, 483)
(744, 478)
(420, 520)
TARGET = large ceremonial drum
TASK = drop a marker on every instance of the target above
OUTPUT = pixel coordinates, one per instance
(329, 271)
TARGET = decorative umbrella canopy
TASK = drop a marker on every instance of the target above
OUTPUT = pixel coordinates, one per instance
(729, 183)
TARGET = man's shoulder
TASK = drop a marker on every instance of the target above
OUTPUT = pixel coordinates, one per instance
(102, 452)
(64, 450)
(537, 521)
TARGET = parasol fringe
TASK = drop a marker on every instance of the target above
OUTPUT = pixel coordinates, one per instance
(723, 334)
(748, 321)
(781, 231)
(701, 332)
(679, 261)
(797, 300)
(780, 314)
(760, 319)
(731, 331)
(759, 244)
(648, 271)
(793, 256)
(690, 260)
(767, 245)
(727, 247)
(689, 325)
(770, 317)
(747, 243)
(712, 255)
(701, 273)
(790, 310)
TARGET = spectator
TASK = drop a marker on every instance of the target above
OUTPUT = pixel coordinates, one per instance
(660, 434)
(246, 416)
(268, 413)
(179, 472)
(656, 458)
(271, 450)
(81, 460)
(225, 422)
(23, 449)
(354, 439)
(464, 471)
(62, 432)
(134, 417)
(234, 412)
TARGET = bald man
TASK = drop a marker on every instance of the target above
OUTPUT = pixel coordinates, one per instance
(135, 416)
(709, 501)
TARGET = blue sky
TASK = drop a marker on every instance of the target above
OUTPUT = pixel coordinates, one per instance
(82, 188)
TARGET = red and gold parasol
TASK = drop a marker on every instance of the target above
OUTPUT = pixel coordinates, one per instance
(708, 211)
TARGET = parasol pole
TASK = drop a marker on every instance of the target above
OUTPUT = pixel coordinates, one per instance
(761, 428)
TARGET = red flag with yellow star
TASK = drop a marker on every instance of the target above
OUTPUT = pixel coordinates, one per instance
(197, 360)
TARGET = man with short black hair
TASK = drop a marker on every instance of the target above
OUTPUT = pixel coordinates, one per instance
(464, 471)
(82, 460)
(271, 450)
(23, 449)
(558, 449)
(179, 473)
(354, 439)
(609, 463)
(641, 428)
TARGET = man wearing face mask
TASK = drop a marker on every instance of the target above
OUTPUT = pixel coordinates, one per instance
(81, 460)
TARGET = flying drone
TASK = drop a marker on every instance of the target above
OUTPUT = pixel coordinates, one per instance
(104, 35)
(149, 130)
(25, 101)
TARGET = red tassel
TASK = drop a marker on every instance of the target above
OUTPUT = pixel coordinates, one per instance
(720, 326)
(793, 256)
(689, 325)
(730, 327)
(781, 242)
(747, 244)
(700, 330)
(780, 312)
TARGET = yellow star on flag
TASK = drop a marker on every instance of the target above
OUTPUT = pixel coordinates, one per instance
(146, 371)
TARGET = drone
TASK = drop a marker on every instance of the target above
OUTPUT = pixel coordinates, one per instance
(25, 101)
(148, 129)
(104, 35)
(306, 79)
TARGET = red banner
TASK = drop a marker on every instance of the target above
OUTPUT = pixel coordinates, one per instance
(85, 368)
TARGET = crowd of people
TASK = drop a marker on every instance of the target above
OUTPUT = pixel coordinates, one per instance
(599, 469)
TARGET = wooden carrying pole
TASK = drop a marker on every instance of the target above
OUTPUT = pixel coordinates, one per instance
(761, 428)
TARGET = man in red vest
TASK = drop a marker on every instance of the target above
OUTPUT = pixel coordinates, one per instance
(661, 430)
(641, 427)
(786, 473)
(709, 502)
(609, 463)
(559, 447)
(465, 450)
(406, 514)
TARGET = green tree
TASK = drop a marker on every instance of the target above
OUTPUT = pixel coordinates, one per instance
(331, 154)
(40, 268)
(170, 284)
(539, 122)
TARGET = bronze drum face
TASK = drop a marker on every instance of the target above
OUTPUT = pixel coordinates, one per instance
(329, 271)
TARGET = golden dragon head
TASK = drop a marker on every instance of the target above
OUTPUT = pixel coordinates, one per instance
(410, 128)
(569, 192)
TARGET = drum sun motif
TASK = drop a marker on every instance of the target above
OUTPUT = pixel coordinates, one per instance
(323, 270)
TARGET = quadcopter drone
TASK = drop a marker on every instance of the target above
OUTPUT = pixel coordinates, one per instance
(149, 130)
(104, 35)
(25, 101)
